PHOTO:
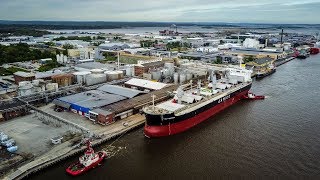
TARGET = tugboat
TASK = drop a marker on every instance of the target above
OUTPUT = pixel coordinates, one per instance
(252, 96)
(89, 160)
(314, 50)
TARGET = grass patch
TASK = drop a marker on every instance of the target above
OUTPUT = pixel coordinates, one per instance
(9, 71)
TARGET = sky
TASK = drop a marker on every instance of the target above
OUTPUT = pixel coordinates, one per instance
(243, 11)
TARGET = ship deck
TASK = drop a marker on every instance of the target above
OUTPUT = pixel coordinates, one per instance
(171, 106)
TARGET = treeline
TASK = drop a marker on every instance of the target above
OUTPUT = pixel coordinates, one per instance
(83, 38)
(6, 31)
(178, 44)
(87, 25)
(22, 52)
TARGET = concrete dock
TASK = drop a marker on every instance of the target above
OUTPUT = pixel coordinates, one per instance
(65, 149)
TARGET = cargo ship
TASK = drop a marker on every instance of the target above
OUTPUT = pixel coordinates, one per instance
(193, 105)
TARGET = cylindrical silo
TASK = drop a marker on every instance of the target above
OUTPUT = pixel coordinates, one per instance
(93, 79)
(25, 88)
(176, 78)
(156, 75)
(182, 78)
(81, 76)
(189, 76)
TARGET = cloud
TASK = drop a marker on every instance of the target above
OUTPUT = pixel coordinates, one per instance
(276, 11)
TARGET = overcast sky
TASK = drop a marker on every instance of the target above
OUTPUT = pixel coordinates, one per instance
(257, 11)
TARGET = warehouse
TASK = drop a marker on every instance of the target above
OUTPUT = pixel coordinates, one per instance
(82, 103)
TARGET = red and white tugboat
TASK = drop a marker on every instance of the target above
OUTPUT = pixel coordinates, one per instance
(89, 160)
(252, 96)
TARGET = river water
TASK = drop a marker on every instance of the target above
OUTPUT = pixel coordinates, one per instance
(275, 137)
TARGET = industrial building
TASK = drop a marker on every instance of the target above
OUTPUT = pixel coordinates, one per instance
(82, 103)
(12, 109)
(258, 53)
(90, 103)
(143, 68)
(63, 79)
(23, 76)
(47, 75)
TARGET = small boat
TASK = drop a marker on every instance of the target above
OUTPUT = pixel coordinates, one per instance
(314, 50)
(252, 96)
(89, 160)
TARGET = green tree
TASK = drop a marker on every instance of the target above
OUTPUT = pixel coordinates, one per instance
(22, 52)
(68, 46)
(218, 60)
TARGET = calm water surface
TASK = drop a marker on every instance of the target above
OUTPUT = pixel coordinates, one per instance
(276, 137)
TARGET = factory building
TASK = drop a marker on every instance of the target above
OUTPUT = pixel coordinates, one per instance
(105, 116)
(143, 68)
(91, 103)
(257, 53)
(82, 103)
(63, 79)
(47, 75)
(12, 109)
(23, 76)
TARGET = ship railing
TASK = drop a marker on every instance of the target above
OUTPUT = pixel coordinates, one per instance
(206, 99)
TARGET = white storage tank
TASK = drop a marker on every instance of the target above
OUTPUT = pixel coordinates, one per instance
(114, 75)
(93, 79)
(25, 88)
(176, 78)
(156, 75)
(120, 74)
(182, 78)
(170, 67)
(166, 72)
(36, 82)
(81, 76)
(52, 86)
(189, 76)
(129, 71)
(147, 76)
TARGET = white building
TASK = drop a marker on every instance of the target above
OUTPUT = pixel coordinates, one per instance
(251, 43)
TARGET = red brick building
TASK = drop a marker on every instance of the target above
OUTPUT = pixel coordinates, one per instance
(23, 76)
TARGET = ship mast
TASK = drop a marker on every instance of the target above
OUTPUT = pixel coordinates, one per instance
(153, 96)
(199, 87)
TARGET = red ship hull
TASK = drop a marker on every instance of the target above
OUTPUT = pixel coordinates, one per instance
(175, 128)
